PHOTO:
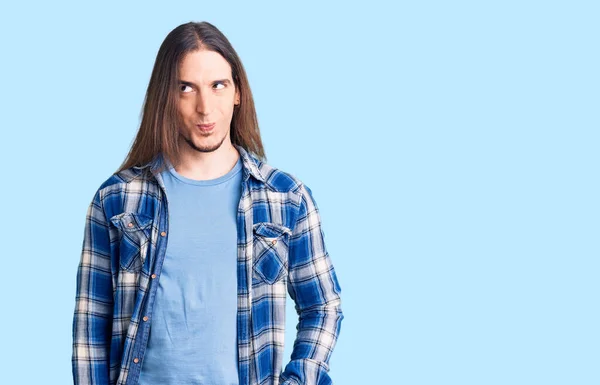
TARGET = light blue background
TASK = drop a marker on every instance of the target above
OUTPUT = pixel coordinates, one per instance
(452, 148)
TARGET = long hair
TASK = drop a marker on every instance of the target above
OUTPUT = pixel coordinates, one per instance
(158, 132)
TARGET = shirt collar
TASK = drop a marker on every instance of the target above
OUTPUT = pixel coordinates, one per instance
(249, 163)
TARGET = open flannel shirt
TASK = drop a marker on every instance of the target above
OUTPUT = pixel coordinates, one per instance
(280, 246)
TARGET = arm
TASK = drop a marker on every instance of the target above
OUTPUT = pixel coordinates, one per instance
(313, 285)
(92, 321)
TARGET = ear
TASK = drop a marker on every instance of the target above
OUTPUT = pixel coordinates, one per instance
(237, 97)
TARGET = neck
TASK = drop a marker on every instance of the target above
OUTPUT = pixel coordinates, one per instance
(207, 165)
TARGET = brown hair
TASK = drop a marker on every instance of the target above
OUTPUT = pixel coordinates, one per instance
(158, 131)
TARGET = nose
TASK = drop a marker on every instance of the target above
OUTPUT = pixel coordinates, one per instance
(203, 104)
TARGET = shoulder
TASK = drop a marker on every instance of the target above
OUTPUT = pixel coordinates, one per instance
(121, 179)
(279, 180)
(125, 188)
(267, 176)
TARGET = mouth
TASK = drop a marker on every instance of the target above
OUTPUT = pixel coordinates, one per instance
(206, 127)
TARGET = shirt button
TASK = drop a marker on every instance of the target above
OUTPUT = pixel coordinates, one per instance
(136, 360)
(274, 241)
(153, 276)
(163, 233)
(130, 224)
(145, 318)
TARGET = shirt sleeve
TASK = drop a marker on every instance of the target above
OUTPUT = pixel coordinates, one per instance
(314, 287)
(92, 320)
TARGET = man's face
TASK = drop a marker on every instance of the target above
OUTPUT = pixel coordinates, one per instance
(206, 95)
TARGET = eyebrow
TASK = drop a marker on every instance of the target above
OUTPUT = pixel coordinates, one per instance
(187, 83)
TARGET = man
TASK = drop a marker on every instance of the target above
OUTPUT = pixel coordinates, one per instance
(189, 248)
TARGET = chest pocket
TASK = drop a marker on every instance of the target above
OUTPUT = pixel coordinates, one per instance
(135, 232)
(270, 253)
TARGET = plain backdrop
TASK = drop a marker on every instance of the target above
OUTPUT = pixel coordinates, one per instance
(452, 148)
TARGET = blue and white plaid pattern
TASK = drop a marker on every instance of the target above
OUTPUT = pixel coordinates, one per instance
(280, 249)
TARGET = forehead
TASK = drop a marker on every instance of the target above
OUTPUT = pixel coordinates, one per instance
(204, 65)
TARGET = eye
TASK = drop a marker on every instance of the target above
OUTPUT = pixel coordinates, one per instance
(183, 86)
(221, 83)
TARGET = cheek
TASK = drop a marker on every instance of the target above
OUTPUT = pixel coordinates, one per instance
(227, 109)
(185, 108)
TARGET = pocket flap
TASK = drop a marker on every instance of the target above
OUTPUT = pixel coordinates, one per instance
(131, 221)
(270, 230)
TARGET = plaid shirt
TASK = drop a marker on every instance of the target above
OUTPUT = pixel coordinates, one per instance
(280, 248)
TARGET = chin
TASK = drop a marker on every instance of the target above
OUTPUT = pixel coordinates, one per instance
(205, 146)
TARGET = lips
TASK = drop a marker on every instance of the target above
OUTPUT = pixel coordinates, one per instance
(205, 127)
